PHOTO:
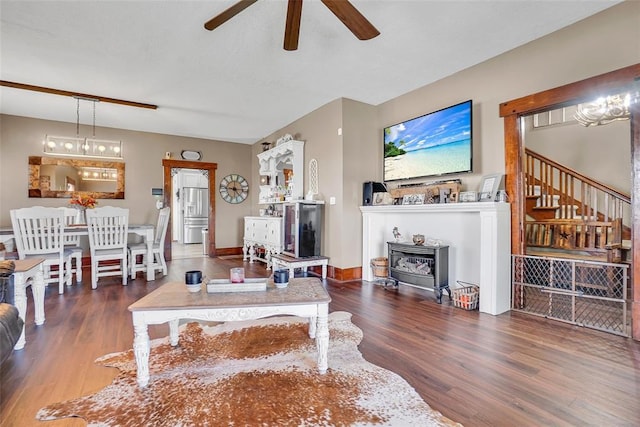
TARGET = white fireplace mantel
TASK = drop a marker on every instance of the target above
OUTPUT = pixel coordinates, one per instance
(478, 235)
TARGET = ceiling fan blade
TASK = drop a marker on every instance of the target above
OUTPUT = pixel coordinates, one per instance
(354, 20)
(292, 28)
(223, 17)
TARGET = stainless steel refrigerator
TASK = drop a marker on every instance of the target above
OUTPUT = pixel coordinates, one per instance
(195, 211)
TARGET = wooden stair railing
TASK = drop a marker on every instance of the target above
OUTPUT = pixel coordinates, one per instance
(556, 191)
(576, 238)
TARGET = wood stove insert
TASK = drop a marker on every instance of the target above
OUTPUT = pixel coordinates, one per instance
(420, 266)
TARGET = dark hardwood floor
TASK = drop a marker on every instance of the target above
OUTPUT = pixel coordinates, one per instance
(477, 369)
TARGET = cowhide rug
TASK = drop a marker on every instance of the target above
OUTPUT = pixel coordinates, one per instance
(253, 373)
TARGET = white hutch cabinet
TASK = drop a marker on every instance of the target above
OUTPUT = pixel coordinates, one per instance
(264, 232)
(281, 171)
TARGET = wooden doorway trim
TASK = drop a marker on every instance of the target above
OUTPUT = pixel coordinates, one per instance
(624, 79)
(169, 164)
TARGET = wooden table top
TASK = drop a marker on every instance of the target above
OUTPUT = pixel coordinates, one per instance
(22, 265)
(288, 258)
(175, 296)
(79, 229)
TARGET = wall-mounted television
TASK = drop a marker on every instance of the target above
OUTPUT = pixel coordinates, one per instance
(438, 143)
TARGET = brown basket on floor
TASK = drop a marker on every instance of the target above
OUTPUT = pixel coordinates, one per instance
(380, 266)
(466, 297)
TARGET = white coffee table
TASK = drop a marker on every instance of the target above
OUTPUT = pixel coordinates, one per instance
(28, 272)
(292, 263)
(304, 297)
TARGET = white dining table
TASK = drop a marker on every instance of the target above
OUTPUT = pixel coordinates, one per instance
(144, 230)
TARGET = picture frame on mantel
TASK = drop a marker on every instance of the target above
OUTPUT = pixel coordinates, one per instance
(489, 187)
(413, 199)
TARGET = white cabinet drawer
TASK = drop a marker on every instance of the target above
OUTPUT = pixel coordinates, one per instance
(274, 231)
(263, 230)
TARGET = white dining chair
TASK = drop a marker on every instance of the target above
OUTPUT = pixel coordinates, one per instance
(108, 228)
(39, 233)
(72, 243)
(140, 249)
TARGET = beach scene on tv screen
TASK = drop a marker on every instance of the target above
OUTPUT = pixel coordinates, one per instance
(435, 144)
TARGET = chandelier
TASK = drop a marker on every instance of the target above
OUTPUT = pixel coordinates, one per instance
(82, 147)
(604, 110)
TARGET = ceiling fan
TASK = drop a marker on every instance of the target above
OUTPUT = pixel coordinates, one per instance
(343, 9)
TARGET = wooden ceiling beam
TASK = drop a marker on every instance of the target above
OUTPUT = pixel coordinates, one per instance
(223, 17)
(76, 94)
(292, 27)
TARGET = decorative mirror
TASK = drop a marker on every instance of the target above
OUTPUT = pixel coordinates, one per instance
(60, 178)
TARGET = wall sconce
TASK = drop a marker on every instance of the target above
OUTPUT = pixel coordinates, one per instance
(82, 147)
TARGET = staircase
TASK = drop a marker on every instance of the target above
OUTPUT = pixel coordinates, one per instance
(572, 215)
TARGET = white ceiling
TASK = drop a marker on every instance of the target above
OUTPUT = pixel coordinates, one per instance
(237, 83)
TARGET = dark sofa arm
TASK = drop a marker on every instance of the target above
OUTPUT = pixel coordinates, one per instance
(10, 329)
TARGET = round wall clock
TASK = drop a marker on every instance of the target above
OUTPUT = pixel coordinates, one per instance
(234, 188)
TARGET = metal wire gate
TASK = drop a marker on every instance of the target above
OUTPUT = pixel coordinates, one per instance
(585, 293)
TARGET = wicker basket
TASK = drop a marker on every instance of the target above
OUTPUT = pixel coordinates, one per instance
(380, 266)
(466, 297)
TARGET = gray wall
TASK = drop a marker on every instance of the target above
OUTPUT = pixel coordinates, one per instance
(604, 42)
(600, 152)
(21, 137)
